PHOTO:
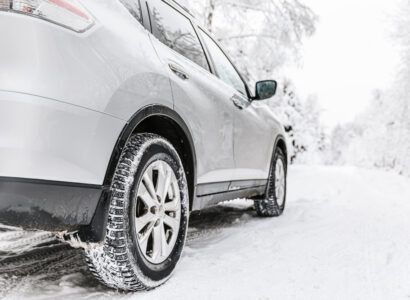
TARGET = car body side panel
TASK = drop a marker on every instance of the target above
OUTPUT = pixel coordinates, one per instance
(46, 60)
(50, 140)
(255, 132)
(203, 103)
(125, 46)
(65, 97)
(112, 68)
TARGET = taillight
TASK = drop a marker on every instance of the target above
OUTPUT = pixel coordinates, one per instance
(67, 13)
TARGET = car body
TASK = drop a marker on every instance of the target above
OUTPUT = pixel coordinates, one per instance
(69, 101)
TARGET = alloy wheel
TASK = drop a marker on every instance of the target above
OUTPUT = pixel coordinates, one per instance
(158, 212)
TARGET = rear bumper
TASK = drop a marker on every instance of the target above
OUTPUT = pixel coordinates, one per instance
(53, 161)
(54, 206)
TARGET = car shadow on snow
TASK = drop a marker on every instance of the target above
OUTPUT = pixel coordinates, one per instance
(41, 257)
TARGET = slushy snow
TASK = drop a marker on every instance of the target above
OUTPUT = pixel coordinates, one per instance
(345, 234)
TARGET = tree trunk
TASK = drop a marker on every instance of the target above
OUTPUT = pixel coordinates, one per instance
(210, 14)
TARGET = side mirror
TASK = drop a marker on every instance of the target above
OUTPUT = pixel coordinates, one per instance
(265, 89)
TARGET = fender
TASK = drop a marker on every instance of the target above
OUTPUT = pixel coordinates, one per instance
(141, 115)
(95, 232)
(280, 138)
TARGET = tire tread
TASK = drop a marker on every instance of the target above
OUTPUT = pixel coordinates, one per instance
(268, 206)
(111, 263)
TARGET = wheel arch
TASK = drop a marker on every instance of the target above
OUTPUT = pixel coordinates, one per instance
(280, 143)
(167, 123)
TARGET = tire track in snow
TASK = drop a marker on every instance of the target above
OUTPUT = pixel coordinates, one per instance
(40, 256)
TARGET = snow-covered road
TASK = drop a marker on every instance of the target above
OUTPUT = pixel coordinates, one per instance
(345, 235)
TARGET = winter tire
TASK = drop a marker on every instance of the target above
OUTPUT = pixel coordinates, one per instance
(273, 204)
(148, 217)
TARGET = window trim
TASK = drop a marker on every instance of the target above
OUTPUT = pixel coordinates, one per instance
(146, 17)
(141, 11)
(184, 14)
(210, 59)
(204, 49)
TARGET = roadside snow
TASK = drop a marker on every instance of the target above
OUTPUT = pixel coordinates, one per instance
(344, 235)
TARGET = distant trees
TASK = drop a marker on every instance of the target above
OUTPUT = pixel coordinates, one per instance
(301, 118)
(380, 137)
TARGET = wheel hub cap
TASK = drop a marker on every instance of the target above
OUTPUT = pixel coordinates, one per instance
(280, 182)
(158, 212)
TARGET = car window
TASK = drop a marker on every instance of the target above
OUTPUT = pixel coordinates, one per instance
(176, 31)
(223, 67)
(134, 7)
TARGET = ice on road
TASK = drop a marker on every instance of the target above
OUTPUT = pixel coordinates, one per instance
(344, 235)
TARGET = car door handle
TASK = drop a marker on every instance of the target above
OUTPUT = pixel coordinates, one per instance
(178, 71)
(237, 102)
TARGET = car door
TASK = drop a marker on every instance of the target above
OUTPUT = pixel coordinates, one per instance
(253, 136)
(198, 97)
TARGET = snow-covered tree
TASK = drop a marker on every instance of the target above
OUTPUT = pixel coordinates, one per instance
(380, 136)
(260, 35)
(301, 118)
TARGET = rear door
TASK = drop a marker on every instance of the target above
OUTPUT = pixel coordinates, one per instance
(253, 137)
(199, 98)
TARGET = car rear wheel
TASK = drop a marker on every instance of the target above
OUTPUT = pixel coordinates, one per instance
(273, 204)
(148, 217)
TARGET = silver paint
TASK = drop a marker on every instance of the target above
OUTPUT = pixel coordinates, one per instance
(65, 98)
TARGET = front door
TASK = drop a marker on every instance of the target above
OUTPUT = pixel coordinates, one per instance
(199, 98)
(253, 136)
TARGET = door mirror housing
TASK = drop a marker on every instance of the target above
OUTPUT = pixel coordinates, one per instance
(265, 89)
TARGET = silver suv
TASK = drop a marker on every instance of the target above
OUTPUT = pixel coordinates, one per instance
(118, 118)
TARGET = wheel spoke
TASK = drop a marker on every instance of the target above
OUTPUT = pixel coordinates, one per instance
(149, 185)
(145, 196)
(171, 222)
(143, 221)
(172, 190)
(158, 228)
(279, 181)
(280, 194)
(172, 205)
(160, 181)
(143, 240)
(279, 170)
(164, 180)
(156, 242)
(164, 244)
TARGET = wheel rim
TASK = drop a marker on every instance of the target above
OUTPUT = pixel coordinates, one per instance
(279, 182)
(158, 212)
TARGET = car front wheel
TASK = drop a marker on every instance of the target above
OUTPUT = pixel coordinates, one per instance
(148, 217)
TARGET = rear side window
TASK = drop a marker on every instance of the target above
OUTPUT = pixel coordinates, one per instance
(134, 8)
(176, 31)
(223, 67)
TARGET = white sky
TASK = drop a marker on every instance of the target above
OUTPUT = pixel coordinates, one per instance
(351, 54)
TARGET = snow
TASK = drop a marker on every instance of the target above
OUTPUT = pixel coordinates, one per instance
(344, 235)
